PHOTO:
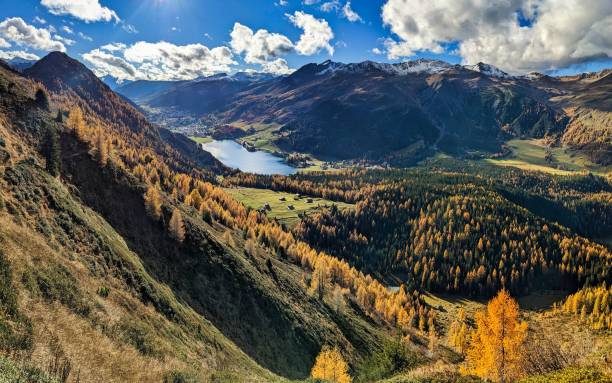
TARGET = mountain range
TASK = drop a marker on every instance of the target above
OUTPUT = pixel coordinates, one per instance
(402, 112)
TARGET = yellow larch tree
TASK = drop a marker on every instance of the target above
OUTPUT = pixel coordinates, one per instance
(176, 226)
(331, 367)
(76, 122)
(496, 349)
(102, 149)
(153, 202)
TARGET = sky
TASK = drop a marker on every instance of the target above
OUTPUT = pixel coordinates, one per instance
(186, 39)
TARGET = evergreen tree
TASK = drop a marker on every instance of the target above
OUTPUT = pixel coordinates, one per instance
(51, 151)
(42, 99)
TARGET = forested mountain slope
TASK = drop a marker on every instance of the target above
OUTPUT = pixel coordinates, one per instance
(124, 248)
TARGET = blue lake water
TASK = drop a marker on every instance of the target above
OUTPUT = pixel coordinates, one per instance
(234, 155)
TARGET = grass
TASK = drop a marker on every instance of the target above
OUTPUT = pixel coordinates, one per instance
(530, 155)
(201, 140)
(257, 198)
(263, 138)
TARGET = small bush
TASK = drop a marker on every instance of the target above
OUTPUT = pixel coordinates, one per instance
(103, 291)
(392, 359)
(179, 377)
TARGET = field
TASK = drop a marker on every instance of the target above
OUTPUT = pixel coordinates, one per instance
(257, 198)
(201, 140)
(530, 155)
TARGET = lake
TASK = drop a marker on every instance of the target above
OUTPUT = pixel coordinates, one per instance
(234, 155)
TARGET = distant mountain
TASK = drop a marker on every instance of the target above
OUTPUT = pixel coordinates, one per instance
(141, 90)
(21, 64)
(113, 83)
(397, 112)
(202, 95)
(400, 112)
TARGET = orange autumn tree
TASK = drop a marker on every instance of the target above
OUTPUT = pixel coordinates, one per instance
(176, 227)
(496, 348)
(330, 366)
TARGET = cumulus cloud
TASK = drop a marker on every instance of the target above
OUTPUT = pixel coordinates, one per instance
(278, 66)
(18, 31)
(4, 43)
(86, 10)
(259, 47)
(105, 63)
(556, 34)
(159, 61)
(10, 55)
(350, 14)
(316, 34)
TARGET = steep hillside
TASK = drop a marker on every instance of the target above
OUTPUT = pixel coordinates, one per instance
(200, 304)
(77, 300)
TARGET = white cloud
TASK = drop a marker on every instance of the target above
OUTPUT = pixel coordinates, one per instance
(67, 29)
(85, 37)
(40, 20)
(4, 43)
(86, 10)
(114, 47)
(259, 47)
(65, 40)
(377, 51)
(278, 66)
(350, 14)
(129, 28)
(330, 6)
(18, 31)
(159, 61)
(9, 55)
(105, 63)
(316, 34)
(310, 2)
(560, 33)
(282, 3)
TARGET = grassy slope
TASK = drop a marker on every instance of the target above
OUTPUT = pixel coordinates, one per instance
(529, 155)
(257, 198)
(202, 307)
(201, 140)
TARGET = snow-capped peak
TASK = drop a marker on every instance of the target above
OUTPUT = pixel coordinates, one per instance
(401, 69)
(488, 70)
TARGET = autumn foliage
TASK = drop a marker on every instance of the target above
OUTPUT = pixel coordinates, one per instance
(331, 367)
(496, 348)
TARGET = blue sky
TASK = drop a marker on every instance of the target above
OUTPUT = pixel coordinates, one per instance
(405, 29)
